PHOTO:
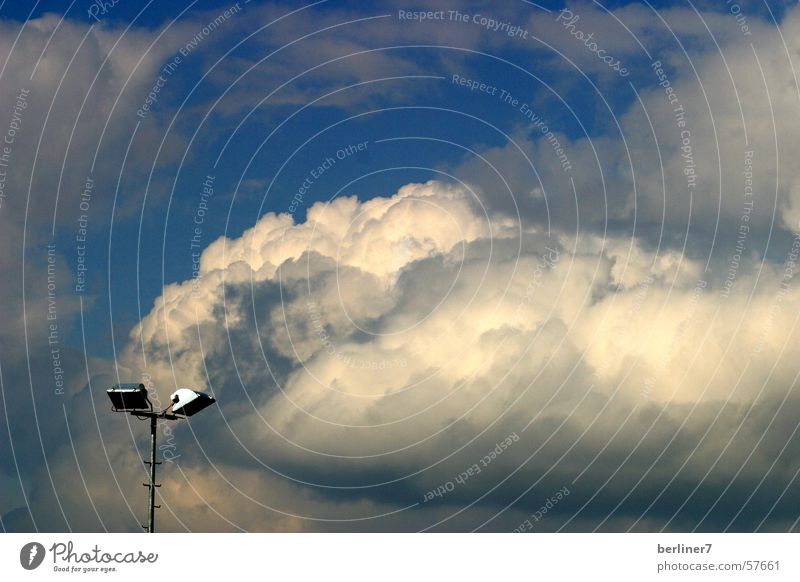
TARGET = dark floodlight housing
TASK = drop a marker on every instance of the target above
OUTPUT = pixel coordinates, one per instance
(129, 397)
(188, 402)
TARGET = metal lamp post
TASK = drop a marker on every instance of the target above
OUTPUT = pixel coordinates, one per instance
(133, 399)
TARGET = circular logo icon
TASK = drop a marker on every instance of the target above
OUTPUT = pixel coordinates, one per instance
(31, 555)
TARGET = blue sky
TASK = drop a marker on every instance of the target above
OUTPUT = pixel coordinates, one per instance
(168, 211)
(387, 246)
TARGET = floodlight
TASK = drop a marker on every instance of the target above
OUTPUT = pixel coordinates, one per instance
(133, 398)
(129, 397)
(188, 402)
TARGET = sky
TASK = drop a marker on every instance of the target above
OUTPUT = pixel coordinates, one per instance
(445, 265)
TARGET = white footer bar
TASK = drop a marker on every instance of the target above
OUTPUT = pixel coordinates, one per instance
(407, 557)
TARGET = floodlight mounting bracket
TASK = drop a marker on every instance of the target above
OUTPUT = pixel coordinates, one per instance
(142, 414)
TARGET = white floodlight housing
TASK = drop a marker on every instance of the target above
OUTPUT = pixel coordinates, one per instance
(188, 402)
(129, 397)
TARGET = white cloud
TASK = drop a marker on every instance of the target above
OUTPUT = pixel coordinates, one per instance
(349, 373)
(737, 98)
(380, 348)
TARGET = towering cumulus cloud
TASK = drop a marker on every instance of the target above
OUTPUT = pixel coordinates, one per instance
(386, 364)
